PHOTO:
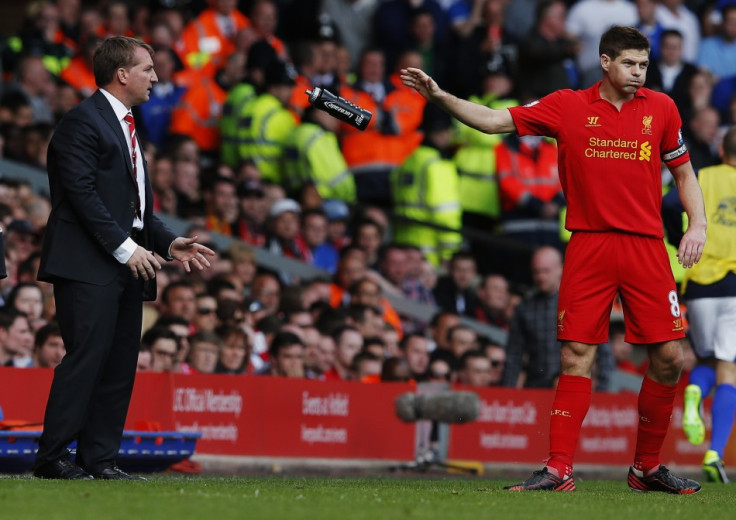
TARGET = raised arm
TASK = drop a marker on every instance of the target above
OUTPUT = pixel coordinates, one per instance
(477, 116)
(691, 196)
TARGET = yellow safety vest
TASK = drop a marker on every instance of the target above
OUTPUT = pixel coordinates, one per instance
(264, 127)
(476, 164)
(719, 255)
(312, 154)
(425, 188)
(230, 121)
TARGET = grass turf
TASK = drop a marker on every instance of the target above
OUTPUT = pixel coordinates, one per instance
(292, 498)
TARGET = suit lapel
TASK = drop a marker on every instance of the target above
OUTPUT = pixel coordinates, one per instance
(108, 115)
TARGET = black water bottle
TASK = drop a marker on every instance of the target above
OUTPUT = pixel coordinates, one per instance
(340, 108)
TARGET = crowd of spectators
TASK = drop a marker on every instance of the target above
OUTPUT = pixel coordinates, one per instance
(242, 318)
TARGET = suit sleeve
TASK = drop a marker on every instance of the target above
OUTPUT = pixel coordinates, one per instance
(162, 237)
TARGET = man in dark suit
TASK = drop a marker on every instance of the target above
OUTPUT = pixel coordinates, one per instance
(455, 291)
(98, 253)
(671, 74)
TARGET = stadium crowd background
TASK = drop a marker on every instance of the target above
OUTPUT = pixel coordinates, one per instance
(492, 247)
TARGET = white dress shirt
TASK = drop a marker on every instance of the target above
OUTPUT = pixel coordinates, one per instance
(123, 253)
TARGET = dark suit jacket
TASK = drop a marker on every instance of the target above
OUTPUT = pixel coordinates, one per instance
(446, 294)
(679, 92)
(93, 198)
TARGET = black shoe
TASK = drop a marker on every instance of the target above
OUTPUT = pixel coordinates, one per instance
(662, 480)
(543, 480)
(63, 469)
(115, 473)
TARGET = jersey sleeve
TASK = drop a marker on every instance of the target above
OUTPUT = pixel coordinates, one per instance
(674, 151)
(540, 117)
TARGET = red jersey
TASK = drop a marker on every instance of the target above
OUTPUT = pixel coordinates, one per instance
(609, 161)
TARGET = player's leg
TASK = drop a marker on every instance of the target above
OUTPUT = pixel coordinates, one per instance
(655, 411)
(653, 318)
(702, 314)
(724, 400)
(722, 412)
(584, 307)
(572, 400)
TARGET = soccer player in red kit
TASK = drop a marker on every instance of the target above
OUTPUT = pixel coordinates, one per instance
(612, 138)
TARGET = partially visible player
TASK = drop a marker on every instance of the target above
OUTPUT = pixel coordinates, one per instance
(710, 292)
(612, 138)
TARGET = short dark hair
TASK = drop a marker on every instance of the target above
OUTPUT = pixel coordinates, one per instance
(542, 9)
(360, 357)
(168, 321)
(407, 338)
(8, 315)
(462, 255)
(471, 354)
(13, 295)
(669, 32)
(174, 285)
(114, 53)
(460, 326)
(385, 249)
(283, 340)
(45, 332)
(311, 212)
(359, 312)
(437, 317)
(156, 333)
(729, 143)
(205, 336)
(620, 38)
(339, 331)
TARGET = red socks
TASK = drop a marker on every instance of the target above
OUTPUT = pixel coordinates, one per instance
(571, 403)
(655, 412)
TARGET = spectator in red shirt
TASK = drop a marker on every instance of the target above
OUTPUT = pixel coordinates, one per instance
(348, 342)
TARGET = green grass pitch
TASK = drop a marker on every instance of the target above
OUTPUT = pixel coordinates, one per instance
(167, 497)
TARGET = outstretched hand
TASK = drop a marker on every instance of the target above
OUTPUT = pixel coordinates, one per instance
(420, 81)
(187, 250)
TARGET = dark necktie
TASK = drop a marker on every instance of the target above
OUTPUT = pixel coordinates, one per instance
(133, 145)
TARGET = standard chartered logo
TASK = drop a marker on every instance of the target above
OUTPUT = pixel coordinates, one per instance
(618, 149)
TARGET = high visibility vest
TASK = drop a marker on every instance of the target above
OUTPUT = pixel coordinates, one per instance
(312, 154)
(198, 114)
(678, 272)
(719, 254)
(371, 150)
(475, 162)
(264, 127)
(206, 47)
(55, 55)
(236, 100)
(299, 100)
(80, 77)
(425, 188)
(523, 172)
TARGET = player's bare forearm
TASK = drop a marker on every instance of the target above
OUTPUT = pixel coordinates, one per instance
(477, 116)
(691, 196)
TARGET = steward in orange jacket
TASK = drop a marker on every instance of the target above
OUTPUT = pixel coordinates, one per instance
(210, 38)
(530, 190)
(198, 114)
(392, 134)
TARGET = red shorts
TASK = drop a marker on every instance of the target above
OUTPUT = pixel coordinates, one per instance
(599, 265)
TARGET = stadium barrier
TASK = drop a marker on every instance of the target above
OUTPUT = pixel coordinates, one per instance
(298, 418)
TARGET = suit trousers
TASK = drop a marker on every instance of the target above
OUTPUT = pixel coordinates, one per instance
(91, 389)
